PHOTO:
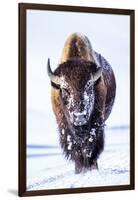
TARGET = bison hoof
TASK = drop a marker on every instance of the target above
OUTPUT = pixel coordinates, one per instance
(94, 166)
(80, 169)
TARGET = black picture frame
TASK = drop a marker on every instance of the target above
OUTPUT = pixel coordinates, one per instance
(23, 7)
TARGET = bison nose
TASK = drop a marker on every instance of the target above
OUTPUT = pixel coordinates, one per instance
(79, 117)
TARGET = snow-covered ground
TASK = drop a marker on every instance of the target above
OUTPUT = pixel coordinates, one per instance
(48, 169)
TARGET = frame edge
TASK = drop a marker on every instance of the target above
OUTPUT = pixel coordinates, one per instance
(22, 7)
(21, 99)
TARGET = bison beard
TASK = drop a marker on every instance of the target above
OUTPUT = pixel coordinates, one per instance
(83, 146)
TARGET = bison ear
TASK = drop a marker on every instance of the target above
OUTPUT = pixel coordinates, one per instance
(97, 74)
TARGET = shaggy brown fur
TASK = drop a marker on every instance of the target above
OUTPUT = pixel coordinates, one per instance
(77, 64)
(77, 46)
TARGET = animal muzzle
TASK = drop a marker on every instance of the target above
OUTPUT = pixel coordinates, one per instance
(79, 119)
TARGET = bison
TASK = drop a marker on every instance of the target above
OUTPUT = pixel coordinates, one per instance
(83, 91)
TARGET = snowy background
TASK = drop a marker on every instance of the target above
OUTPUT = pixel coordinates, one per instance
(46, 34)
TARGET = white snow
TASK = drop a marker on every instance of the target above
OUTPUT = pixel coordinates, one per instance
(48, 169)
(69, 146)
(90, 139)
(68, 138)
(63, 83)
(92, 132)
(63, 131)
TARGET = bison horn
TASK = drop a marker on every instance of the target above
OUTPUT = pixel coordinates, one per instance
(55, 79)
(97, 75)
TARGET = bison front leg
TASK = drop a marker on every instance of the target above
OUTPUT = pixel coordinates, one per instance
(92, 148)
(78, 167)
(98, 145)
(78, 162)
(94, 165)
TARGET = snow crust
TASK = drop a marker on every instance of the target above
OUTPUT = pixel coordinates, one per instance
(48, 169)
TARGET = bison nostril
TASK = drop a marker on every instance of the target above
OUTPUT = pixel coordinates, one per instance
(85, 116)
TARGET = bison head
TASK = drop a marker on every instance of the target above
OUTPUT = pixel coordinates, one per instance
(75, 79)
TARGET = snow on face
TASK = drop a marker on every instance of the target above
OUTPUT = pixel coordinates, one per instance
(63, 131)
(92, 132)
(73, 106)
(69, 146)
(90, 139)
(68, 138)
(87, 101)
(88, 104)
(63, 83)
